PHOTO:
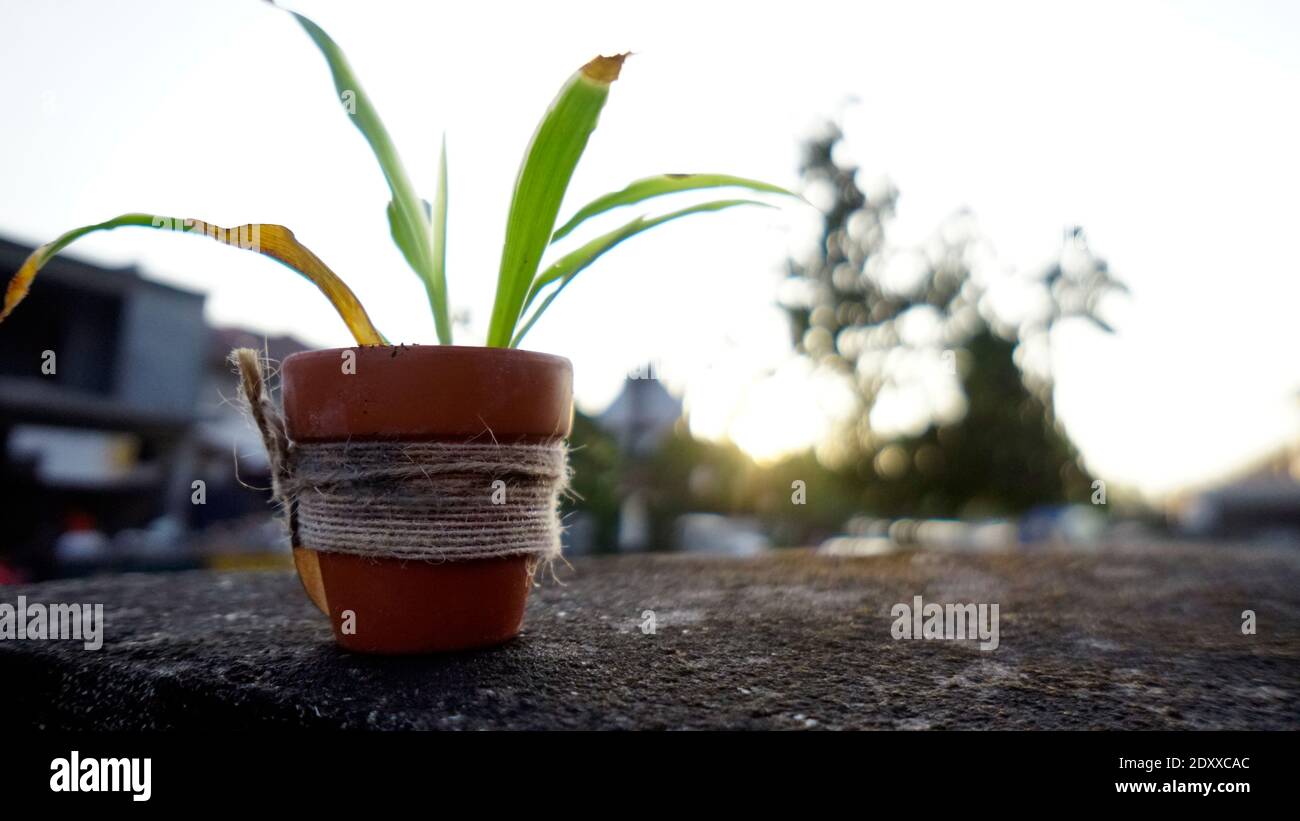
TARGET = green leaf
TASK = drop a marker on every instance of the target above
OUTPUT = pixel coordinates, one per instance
(438, 218)
(274, 241)
(571, 264)
(648, 187)
(407, 220)
(544, 176)
(402, 238)
(406, 244)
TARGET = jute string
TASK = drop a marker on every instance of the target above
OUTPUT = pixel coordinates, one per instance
(433, 501)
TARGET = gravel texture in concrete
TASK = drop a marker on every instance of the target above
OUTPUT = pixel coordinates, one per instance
(1138, 638)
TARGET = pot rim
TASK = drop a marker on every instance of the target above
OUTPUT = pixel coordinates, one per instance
(485, 350)
(426, 392)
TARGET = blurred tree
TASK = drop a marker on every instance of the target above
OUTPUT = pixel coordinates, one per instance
(956, 400)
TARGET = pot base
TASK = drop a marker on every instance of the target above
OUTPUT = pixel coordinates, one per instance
(401, 606)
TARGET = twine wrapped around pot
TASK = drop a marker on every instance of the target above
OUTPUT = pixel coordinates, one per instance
(435, 501)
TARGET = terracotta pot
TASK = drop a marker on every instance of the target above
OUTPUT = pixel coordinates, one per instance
(443, 393)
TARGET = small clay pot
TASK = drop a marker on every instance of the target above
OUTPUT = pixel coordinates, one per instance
(422, 393)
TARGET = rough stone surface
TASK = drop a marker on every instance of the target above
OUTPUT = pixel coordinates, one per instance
(1143, 638)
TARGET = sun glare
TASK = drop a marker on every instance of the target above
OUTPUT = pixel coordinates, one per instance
(776, 415)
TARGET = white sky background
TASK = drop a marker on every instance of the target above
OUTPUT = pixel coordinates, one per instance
(1168, 130)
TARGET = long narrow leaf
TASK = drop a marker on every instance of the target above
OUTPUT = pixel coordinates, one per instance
(564, 269)
(274, 241)
(406, 214)
(657, 186)
(543, 178)
(405, 241)
(439, 222)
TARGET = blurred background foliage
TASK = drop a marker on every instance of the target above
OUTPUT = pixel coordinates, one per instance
(919, 323)
(922, 324)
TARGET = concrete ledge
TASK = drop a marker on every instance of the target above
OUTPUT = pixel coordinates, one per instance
(1143, 638)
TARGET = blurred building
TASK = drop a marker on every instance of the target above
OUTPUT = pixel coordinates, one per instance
(97, 392)
(638, 419)
(112, 405)
(641, 415)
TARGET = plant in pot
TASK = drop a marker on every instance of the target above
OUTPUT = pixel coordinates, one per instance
(420, 483)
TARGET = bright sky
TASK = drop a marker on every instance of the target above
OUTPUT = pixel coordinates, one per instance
(1168, 130)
